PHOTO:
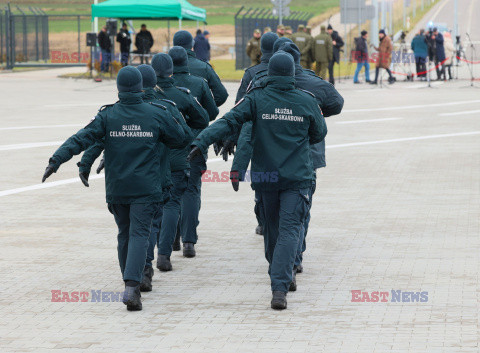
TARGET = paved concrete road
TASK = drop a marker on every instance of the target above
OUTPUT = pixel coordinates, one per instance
(397, 208)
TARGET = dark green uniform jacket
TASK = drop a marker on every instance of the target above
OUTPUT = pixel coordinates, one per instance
(328, 99)
(285, 122)
(203, 69)
(304, 44)
(196, 116)
(133, 131)
(250, 74)
(198, 87)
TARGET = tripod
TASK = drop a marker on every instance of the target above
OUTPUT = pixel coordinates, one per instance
(473, 55)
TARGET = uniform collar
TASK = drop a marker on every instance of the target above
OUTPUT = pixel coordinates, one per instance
(130, 97)
(181, 70)
(284, 83)
(266, 57)
(191, 53)
(164, 82)
(298, 69)
(149, 93)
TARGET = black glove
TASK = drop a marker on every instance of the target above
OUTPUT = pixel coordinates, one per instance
(84, 178)
(101, 166)
(48, 171)
(234, 179)
(194, 153)
(227, 149)
(217, 147)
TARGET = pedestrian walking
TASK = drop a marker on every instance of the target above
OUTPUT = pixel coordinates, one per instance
(361, 56)
(384, 57)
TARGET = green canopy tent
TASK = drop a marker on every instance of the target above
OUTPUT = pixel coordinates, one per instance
(180, 10)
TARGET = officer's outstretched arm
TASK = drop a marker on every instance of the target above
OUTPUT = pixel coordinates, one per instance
(219, 91)
(90, 155)
(318, 128)
(244, 149)
(208, 102)
(229, 124)
(198, 116)
(76, 144)
(328, 98)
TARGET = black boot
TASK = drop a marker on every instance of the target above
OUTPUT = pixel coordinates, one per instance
(279, 300)
(298, 268)
(132, 298)
(163, 263)
(146, 285)
(176, 243)
(293, 284)
(189, 250)
(259, 230)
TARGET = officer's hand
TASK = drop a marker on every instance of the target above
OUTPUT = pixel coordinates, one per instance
(227, 149)
(100, 166)
(216, 148)
(234, 179)
(194, 153)
(84, 178)
(48, 171)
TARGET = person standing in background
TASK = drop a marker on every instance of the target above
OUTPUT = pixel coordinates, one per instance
(144, 42)
(322, 52)
(439, 54)
(288, 31)
(201, 46)
(449, 53)
(361, 56)
(309, 58)
(420, 50)
(304, 44)
(384, 58)
(253, 48)
(105, 46)
(337, 42)
(123, 37)
(280, 31)
(267, 29)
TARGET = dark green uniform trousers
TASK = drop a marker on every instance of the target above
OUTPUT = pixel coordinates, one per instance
(134, 223)
(171, 212)
(284, 214)
(153, 239)
(191, 201)
(302, 245)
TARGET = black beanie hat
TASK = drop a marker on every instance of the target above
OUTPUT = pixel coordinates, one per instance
(329, 27)
(148, 75)
(279, 42)
(162, 64)
(381, 31)
(129, 79)
(267, 41)
(179, 56)
(183, 39)
(292, 49)
(281, 64)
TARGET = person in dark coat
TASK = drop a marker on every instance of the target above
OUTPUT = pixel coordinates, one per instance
(439, 54)
(337, 42)
(144, 42)
(105, 46)
(361, 56)
(123, 37)
(420, 50)
(201, 46)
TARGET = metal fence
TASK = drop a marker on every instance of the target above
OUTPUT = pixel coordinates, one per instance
(248, 19)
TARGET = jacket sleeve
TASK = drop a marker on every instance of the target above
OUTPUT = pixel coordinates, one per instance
(90, 155)
(329, 49)
(340, 42)
(328, 98)
(242, 90)
(79, 142)
(197, 116)
(318, 128)
(243, 154)
(173, 131)
(208, 103)
(307, 48)
(229, 124)
(219, 91)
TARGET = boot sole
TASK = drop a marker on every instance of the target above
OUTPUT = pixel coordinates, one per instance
(133, 307)
(292, 287)
(189, 255)
(278, 305)
(164, 269)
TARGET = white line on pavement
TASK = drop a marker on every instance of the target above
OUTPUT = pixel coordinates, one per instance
(409, 107)
(403, 139)
(69, 105)
(465, 112)
(366, 121)
(39, 127)
(21, 146)
(76, 180)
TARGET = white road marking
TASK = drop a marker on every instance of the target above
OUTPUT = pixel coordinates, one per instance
(39, 127)
(409, 107)
(366, 121)
(69, 105)
(21, 146)
(77, 180)
(403, 139)
(465, 112)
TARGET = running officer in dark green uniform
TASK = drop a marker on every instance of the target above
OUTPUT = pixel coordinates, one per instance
(285, 122)
(133, 131)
